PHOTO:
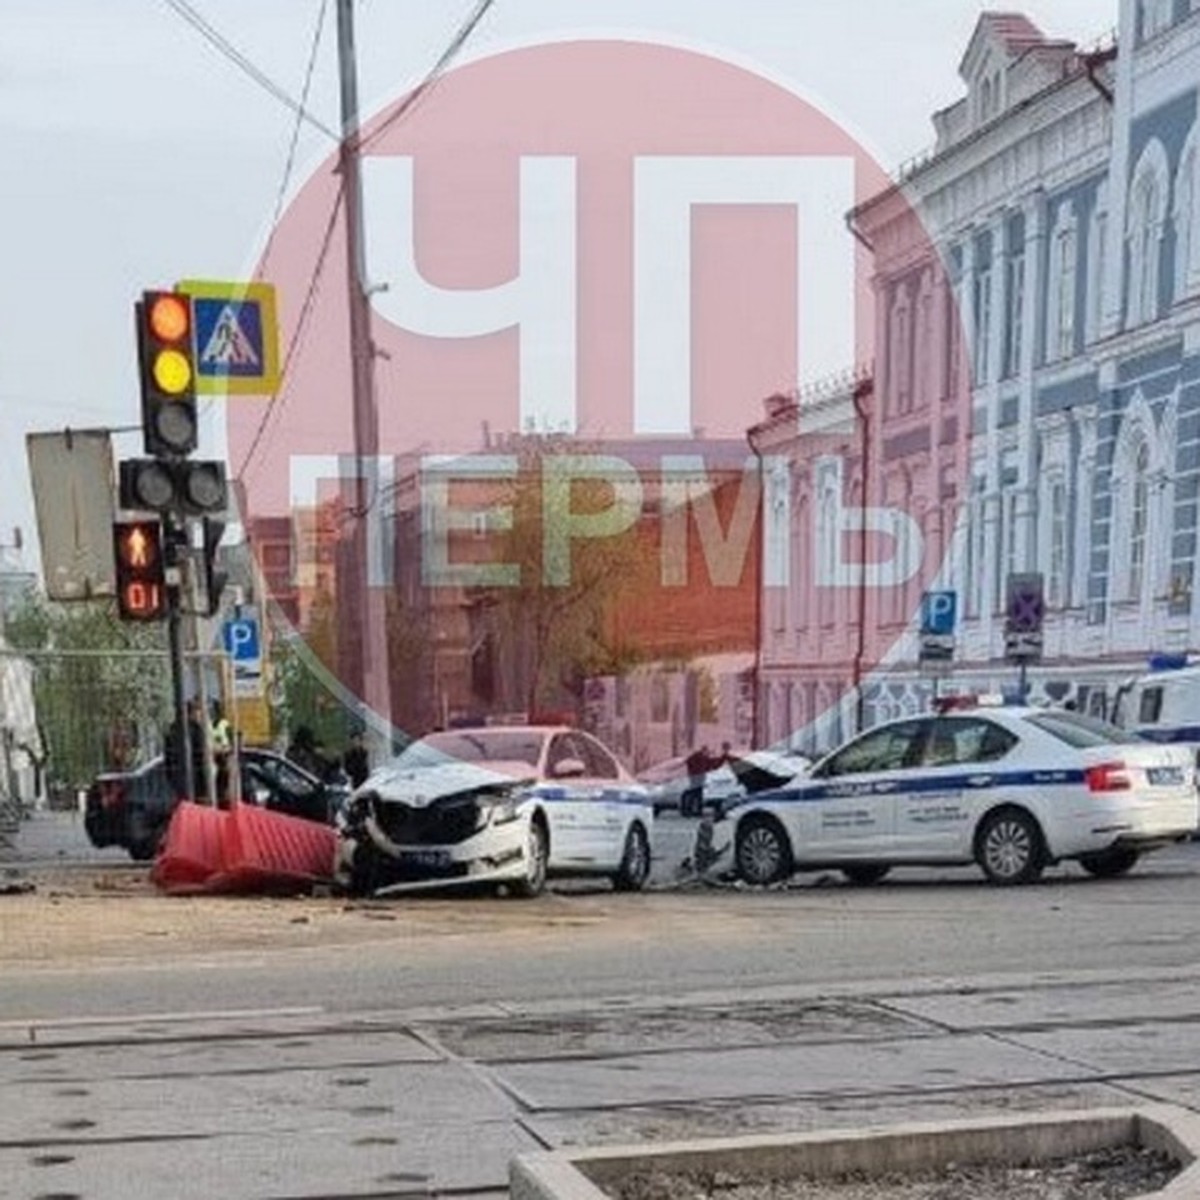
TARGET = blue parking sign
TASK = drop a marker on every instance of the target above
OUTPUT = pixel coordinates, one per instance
(939, 613)
(240, 638)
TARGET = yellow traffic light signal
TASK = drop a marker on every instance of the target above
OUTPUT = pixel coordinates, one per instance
(141, 578)
(166, 357)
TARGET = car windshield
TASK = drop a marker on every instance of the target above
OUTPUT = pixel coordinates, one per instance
(1082, 732)
(475, 746)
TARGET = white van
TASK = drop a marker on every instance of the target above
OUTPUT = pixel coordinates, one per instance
(1164, 704)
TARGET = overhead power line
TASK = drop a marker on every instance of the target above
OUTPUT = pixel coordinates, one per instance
(460, 39)
(221, 43)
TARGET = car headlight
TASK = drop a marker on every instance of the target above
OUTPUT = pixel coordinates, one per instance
(496, 810)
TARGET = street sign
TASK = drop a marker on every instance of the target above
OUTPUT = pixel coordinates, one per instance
(939, 614)
(1024, 613)
(73, 491)
(252, 719)
(242, 643)
(237, 336)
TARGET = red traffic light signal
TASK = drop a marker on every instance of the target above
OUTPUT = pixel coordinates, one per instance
(167, 362)
(141, 577)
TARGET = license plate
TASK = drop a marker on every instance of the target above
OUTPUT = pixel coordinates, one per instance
(1165, 776)
(426, 858)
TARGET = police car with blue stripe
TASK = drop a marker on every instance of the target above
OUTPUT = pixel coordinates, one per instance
(502, 804)
(1164, 704)
(1012, 789)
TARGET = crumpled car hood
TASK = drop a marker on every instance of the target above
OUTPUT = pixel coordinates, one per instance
(422, 785)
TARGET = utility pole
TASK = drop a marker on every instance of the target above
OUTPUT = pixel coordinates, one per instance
(365, 626)
(172, 539)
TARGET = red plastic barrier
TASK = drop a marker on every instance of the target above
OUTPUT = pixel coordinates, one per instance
(244, 850)
(264, 850)
(193, 851)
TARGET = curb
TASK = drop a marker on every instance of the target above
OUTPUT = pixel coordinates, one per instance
(583, 1174)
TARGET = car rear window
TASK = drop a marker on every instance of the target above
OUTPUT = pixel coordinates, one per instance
(1081, 732)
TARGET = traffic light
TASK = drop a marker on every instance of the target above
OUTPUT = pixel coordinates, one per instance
(167, 363)
(141, 578)
(214, 580)
(155, 485)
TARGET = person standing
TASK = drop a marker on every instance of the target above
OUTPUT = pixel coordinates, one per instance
(355, 762)
(173, 752)
(698, 764)
(221, 733)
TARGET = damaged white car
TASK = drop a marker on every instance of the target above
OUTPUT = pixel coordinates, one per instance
(509, 805)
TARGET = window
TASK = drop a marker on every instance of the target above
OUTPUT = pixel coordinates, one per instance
(1056, 556)
(925, 347)
(1060, 329)
(1014, 325)
(1097, 263)
(1079, 731)
(1139, 522)
(1156, 16)
(1150, 706)
(892, 748)
(1147, 215)
(981, 344)
(976, 548)
(1008, 563)
(599, 763)
(476, 745)
(1187, 220)
(962, 740)
(956, 337)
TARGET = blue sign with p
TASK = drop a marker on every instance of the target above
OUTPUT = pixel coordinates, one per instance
(939, 613)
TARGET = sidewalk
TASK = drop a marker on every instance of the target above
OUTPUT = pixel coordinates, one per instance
(311, 1102)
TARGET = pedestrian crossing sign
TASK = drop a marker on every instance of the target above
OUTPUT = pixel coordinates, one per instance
(237, 336)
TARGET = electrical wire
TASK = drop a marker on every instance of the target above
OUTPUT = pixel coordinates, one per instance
(460, 39)
(221, 43)
(278, 401)
(291, 154)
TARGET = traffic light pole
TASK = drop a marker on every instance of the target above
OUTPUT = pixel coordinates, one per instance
(171, 530)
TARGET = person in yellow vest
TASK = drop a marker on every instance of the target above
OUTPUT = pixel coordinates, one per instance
(221, 738)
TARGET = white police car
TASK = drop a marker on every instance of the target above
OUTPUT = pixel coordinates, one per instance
(1164, 705)
(505, 804)
(1012, 789)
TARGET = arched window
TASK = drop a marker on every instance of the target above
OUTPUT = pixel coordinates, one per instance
(1142, 499)
(1139, 522)
(1147, 218)
(1187, 218)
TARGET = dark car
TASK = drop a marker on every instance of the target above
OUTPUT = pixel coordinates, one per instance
(133, 808)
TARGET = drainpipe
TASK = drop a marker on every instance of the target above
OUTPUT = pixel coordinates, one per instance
(862, 393)
(1092, 62)
(755, 724)
(863, 390)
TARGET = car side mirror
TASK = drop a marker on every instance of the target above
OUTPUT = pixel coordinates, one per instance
(569, 768)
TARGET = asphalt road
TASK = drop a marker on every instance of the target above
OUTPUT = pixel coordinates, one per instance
(421, 1062)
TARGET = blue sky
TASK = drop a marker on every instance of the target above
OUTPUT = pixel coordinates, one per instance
(136, 155)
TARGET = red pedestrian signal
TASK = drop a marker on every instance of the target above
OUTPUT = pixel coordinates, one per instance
(141, 578)
(166, 357)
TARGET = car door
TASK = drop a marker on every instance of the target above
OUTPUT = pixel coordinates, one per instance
(937, 812)
(611, 809)
(564, 797)
(853, 813)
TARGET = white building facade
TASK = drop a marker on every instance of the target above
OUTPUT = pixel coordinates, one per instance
(1055, 274)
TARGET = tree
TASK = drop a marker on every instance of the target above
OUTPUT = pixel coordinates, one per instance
(99, 682)
(552, 627)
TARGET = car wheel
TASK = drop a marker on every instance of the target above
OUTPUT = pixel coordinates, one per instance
(143, 851)
(763, 853)
(1009, 848)
(866, 874)
(635, 862)
(1110, 863)
(537, 850)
